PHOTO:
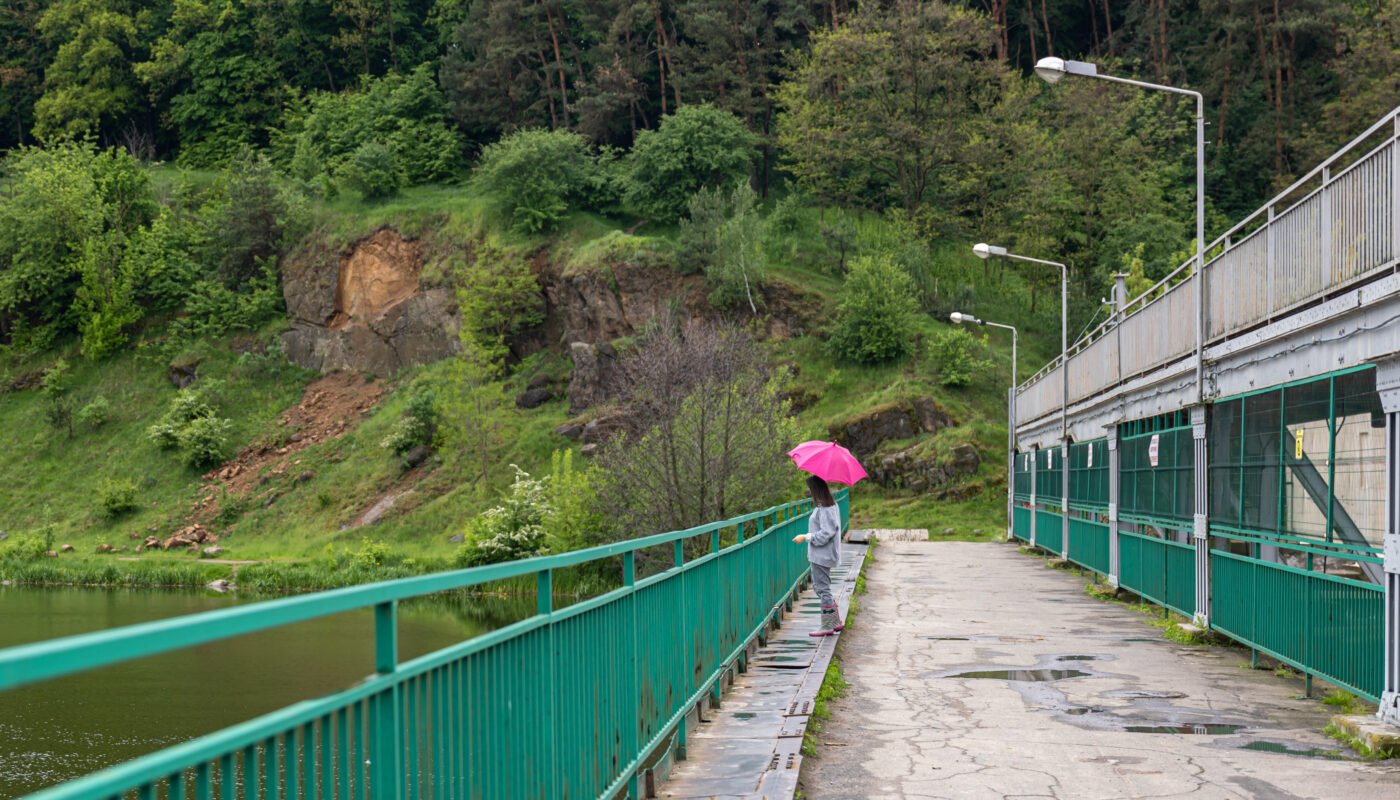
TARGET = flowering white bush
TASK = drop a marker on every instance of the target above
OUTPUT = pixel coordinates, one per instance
(515, 528)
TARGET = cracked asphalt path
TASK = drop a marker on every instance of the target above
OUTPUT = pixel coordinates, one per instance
(1085, 673)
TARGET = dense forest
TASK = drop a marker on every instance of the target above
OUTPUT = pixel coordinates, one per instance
(925, 107)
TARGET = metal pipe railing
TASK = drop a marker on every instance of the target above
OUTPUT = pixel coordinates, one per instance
(1339, 233)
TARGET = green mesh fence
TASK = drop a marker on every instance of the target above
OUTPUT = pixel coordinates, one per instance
(1021, 476)
(1088, 474)
(1156, 466)
(1049, 467)
(1303, 459)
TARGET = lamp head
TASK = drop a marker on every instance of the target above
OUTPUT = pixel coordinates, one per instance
(957, 316)
(1050, 69)
(984, 250)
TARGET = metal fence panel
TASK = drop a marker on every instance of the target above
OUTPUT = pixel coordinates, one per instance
(1048, 531)
(1041, 397)
(1328, 626)
(1161, 571)
(1088, 544)
(1021, 523)
(1049, 466)
(1094, 368)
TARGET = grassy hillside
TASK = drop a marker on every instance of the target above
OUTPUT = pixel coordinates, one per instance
(52, 486)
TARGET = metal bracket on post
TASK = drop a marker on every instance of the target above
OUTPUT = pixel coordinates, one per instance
(1064, 497)
(1035, 458)
(1201, 519)
(1113, 470)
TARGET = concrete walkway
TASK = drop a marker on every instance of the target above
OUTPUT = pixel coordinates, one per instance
(975, 672)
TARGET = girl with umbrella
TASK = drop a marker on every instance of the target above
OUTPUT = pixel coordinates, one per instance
(825, 460)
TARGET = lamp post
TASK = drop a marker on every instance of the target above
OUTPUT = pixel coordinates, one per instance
(1051, 70)
(984, 250)
(960, 318)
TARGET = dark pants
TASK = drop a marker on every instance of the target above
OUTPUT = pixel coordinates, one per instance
(821, 582)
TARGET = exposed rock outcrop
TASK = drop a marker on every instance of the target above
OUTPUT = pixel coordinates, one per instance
(906, 470)
(863, 435)
(365, 308)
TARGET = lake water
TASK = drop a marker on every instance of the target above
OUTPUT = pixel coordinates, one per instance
(61, 729)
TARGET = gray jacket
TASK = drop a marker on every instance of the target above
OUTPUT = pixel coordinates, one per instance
(824, 536)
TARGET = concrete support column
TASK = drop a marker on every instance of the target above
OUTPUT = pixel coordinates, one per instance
(1035, 457)
(1201, 520)
(1064, 497)
(1113, 462)
(1388, 385)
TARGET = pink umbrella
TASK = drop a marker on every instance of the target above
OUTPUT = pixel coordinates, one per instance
(828, 461)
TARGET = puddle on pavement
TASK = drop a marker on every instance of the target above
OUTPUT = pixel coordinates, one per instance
(1031, 675)
(1144, 640)
(1196, 730)
(1078, 658)
(744, 715)
(1144, 694)
(1276, 747)
(945, 638)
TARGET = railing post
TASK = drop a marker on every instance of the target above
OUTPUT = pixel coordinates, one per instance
(1114, 570)
(1395, 190)
(1064, 495)
(1325, 223)
(1201, 520)
(1035, 461)
(386, 759)
(629, 580)
(1388, 385)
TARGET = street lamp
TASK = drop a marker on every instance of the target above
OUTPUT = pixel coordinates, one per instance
(960, 318)
(1052, 70)
(984, 250)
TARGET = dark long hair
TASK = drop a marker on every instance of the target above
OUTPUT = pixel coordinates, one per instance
(821, 493)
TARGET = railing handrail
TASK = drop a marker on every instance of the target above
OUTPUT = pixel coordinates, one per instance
(39, 661)
(1145, 299)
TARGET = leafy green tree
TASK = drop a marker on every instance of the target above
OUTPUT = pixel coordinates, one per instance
(372, 170)
(61, 203)
(954, 352)
(106, 302)
(698, 238)
(58, 403)
(739, 267)
(885, 108)
(498, 297)
(219, 69)
(252, 220)
(695, 147)
(24, 54)
(403, 113)
(90, 86)
(875, 321)
(536, 175)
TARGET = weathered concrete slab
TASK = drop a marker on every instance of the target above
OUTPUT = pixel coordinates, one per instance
(977, 673)
(751, 746)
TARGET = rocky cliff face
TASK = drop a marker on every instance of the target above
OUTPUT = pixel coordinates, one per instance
(364, 308)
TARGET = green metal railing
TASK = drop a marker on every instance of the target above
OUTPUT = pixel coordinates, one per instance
(1021, 523)
(1322, 624)
(1159, 570)
(1048, 531)
(568, 703)
(1088, 544)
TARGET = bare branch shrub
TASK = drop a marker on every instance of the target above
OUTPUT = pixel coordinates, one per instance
(706, 436)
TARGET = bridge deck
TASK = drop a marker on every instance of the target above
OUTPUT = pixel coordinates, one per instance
(908, 727)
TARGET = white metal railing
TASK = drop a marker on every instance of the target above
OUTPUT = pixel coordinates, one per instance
(1336, 226)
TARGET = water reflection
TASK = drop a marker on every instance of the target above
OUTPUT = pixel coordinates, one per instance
(67, 727)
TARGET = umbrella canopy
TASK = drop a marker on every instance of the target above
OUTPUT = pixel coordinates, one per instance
(828, 461)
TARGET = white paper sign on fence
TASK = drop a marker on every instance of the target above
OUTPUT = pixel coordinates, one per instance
(1152, 449)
